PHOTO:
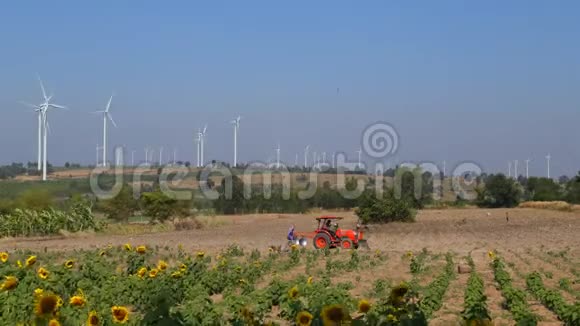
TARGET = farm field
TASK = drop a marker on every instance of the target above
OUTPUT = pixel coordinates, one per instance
(535, 253)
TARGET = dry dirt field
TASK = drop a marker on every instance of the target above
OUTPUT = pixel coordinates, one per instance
(533, 240)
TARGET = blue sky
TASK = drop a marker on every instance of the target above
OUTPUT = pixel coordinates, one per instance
(482, 81)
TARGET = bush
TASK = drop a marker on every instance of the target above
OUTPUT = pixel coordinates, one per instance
(383, 210)
(187, 224)
(122, 206)
(499, 191)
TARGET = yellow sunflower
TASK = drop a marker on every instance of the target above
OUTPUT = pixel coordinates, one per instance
(294, 247)
(102, 253)
(491, 255)
(162, 265)
(4, 257)
(120, 314)
(69, 264)
(30, 261)
(141, 272)
(19, 264)
(364, 306)
(93, 319)
(247, 313)
(9, 283)
(78, 300)
(304, 318)
(176, 274)
(410, 254)
(182, 267)
(398, 293)
(334, 315)
(200, 254)
(141, 249)
(127, 247)
(53, 322)
(153, 272)
(47, 304)
(293, 292)
(310, 280)
(38, 292)
(42, 273)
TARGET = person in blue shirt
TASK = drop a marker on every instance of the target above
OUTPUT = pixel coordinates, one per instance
(291, 236)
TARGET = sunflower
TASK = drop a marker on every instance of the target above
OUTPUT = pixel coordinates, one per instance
(46, 303)
(4, 257)
(102, 253)
(153, 272)
(333, 315)
(398, 292)
(141, 249)
(53, 322)
(409, 254)
(38, 292)
(142, 271)
(69, 264)
(182, 267)
(42, 273)
(19, 264)
(93, 319)
(377, 253)
(9, 283)
(200, 254)
(491, 255)
(127, 247)
(247, 313)
(162, 265)
(364, 306)
(294, 247)
(120, 314)
(176, 274)
(78, 300)
(30, 261)
(293, 292)
(304, 318)
(310, 280)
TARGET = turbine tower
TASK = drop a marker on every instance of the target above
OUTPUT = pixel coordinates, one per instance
(509, 169)
(306, 155)
(527, 168)
(359, 152)
(97, 150)
(516, 169)
(278, 156)
(236, 123)
(548, 157)
(106, 116)
(160, 155)
(198, 141)
(133, 158)
(202, 146)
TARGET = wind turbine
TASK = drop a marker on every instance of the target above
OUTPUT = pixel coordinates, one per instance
(133, 158)
(306, 155)
(202, 141)
(146, 155)
(359, 152)
(516, 169)
(548, 157)
(160, 155)
(174, 156)
(527, 170)
(106, 116)
(278, 156)
(236, 123)
(509, 169)
(198, 141)
(97, 150)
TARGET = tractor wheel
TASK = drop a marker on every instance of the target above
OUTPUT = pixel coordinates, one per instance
(346, 243)
(321, 241)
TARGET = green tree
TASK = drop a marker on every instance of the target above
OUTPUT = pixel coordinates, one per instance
(383, 210)
(158, 206)
(499, 191)
(122, 206)
(35, 199)
(542, 189)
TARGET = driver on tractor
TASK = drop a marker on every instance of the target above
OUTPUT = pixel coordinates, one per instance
(331, 227)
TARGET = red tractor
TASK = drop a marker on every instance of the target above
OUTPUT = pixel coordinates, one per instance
(329, 235)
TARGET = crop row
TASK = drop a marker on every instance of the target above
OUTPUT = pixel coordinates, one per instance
(475, 302)
(553, 300)
(434, 292)
(515, 299)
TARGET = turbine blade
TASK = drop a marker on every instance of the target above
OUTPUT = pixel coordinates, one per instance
(42, 87)
(36, 107)
(56, 106)
(109, 104)
(111, 119)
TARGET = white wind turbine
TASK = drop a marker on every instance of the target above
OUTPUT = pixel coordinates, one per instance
(106, 116)
(548, 157)
(278, 156)
(516, 169)
(527, 168)
(509, 169)
(236, 123)
(198, 141)
(359, 152)
(202, 141)
(306, 155)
